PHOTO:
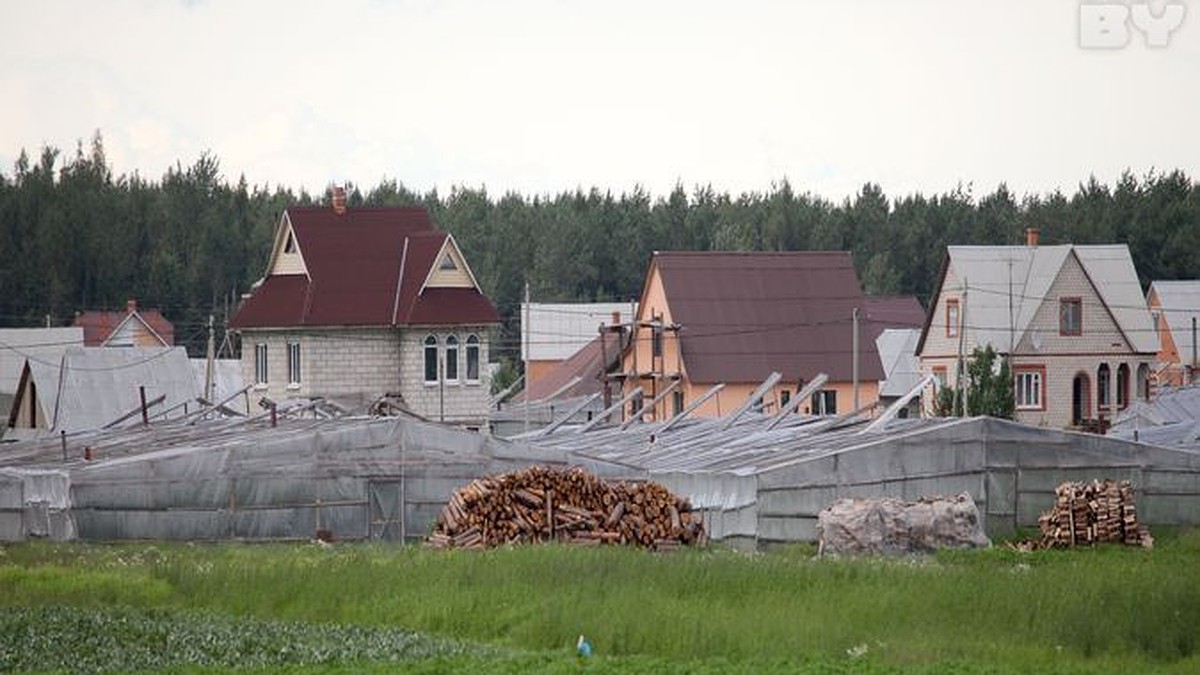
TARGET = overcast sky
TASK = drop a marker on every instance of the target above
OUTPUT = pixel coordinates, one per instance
(543, 96)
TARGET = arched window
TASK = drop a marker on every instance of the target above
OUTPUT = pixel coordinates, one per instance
(472, 358)
(431, 359)
(1122, 385)
(1143, 382)
(1103, 386)
(452, 358)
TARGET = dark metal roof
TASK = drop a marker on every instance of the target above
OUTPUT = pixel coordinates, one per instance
(98, 326)
(586, 364)
(895, 311)
(366, 267)
(746, 314)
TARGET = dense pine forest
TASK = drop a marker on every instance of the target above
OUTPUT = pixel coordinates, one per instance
(74, 236)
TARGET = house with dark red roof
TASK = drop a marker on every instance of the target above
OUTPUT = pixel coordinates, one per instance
(733, 318)
(131, 327)
(361, 303)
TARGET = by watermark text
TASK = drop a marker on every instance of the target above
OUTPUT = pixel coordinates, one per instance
(1112, 25)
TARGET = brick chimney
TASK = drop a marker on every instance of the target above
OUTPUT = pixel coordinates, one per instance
(339, 200)
(1031, 236)
(130, 306)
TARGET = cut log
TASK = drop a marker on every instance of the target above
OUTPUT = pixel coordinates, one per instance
(542, 504)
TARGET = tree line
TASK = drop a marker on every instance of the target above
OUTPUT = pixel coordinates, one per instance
(75, 236)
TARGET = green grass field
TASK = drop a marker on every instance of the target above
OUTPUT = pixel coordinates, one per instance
(368, 608)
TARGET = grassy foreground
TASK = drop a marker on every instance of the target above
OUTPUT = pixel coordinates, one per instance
(365, 608)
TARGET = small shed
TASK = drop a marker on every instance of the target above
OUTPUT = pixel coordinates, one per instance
(95, 387)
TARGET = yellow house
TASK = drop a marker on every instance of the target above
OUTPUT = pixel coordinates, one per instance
(733, 318)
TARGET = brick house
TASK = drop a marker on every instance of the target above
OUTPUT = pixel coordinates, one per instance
(132, 327)
(366, 302)
(735, 317)
(1071, 320)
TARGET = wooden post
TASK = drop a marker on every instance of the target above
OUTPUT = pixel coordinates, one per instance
(528, 336)
(64, 443)
(854, 354)
(208, 363)
(274, 415)
(145, 412)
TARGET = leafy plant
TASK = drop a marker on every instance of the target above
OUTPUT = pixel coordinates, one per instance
(989, 388)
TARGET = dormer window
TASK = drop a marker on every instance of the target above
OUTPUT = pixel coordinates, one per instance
(447, 264)
(289, 246)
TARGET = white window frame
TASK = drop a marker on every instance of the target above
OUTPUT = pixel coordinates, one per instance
(821, 400)
(451, 370)
(261, 366)
(431, 344)
(473, 353)
(294, 372)
(1029, 385)
(953, 317)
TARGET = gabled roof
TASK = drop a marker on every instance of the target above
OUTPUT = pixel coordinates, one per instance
(93, 386)
(1180, 304)
(365, 267)
(587, 364)
(99, 326)
(897, 351)
(894, 311)
(746, 314)
(1007, 284)
(42, 344)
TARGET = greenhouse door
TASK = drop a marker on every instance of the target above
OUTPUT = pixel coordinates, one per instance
(385, 501)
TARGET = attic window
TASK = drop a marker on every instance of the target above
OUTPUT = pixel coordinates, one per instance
(290, 245)
(1070, 316)
(952, 317)
(447, 264)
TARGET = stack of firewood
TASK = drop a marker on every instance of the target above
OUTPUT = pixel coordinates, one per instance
(1090, 513)
(570, 506)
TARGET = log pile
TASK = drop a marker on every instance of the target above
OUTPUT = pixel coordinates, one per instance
(571, 506)
(1091, 513)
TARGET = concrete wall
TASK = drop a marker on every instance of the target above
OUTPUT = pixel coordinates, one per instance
(363, 364)
(1010, 470)
(790, 499)
(459, 401)
(35, 504)
(360, 364)
(383, 480)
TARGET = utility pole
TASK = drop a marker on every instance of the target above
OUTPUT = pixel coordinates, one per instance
(527, 335)
(854, 356)
(962, 331)
(959, 367)
(1192, 370)
(208, 365)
